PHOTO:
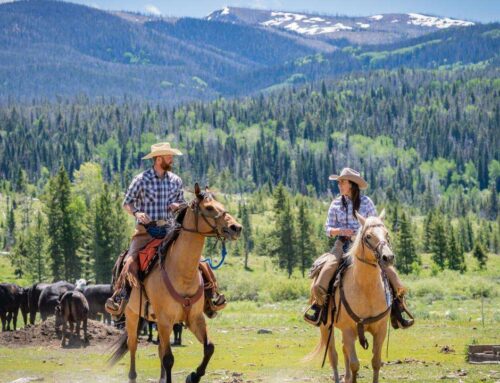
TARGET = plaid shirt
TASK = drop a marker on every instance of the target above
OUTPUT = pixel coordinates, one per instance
(151, 194)
(338, 217)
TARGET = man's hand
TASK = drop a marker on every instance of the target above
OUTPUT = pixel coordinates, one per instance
(142, 217)
(174, 206)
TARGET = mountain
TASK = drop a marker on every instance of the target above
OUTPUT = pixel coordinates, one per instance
(52, 48)
(375, 29)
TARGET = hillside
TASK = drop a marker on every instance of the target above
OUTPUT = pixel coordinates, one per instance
(52, 48)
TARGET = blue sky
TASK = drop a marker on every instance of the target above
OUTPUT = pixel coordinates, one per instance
(475, 10)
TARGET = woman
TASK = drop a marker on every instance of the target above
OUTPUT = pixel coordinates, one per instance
(342, 223)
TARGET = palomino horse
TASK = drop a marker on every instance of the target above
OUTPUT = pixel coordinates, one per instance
(175, 288)
(361, 300)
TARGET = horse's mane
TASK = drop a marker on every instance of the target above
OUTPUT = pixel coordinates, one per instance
(357, 245)
(181, 213)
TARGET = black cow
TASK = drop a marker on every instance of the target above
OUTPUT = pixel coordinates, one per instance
(72, 308)
(96, 297)
(12, 298)
(50, 296)
(33, 296)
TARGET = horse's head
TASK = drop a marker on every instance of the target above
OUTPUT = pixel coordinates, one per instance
(211, 217)
(375, 237)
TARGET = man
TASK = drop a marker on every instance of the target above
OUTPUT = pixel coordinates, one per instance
(153, 196)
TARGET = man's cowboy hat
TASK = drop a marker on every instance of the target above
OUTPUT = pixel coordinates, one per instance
(162, 149)
(351, 175)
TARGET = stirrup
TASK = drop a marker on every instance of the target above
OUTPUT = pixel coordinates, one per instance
(116, 309)
(313, 314)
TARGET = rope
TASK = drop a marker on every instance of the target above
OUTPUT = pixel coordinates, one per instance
(221, 262)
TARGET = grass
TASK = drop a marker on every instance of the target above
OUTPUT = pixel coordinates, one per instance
(449, 313)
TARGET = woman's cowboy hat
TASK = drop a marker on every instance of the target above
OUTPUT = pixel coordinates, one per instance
(162, 149)
(351, 175)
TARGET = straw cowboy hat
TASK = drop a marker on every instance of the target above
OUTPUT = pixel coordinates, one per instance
(351, 175)
(162, 149)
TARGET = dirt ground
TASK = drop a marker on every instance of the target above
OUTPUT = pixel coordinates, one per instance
(45, 334)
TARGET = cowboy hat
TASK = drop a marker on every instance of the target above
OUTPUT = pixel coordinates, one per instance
(162, 149)
(351, 175)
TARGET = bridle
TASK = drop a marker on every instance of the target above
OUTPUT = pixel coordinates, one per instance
(198, 212)
(377, 250)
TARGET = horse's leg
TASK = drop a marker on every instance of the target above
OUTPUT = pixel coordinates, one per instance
(165, 351)
(348, 340)
(199, 329)
(378, 341)
(332, 352)
(132, 323)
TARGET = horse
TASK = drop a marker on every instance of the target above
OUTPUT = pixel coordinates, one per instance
(174, 287)
(361, 301)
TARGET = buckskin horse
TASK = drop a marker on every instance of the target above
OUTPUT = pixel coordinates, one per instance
(174, 287)
(360, 300)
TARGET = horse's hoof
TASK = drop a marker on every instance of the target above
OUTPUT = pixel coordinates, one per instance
(192, 378)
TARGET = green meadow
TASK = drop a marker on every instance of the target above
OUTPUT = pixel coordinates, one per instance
(453, 311)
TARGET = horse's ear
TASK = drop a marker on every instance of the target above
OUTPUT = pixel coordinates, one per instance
(382, 215)
(360, 218)
(206, 188)
(197, 190)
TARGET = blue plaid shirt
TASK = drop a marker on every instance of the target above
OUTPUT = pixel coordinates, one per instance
(338, 217)
(151, 194)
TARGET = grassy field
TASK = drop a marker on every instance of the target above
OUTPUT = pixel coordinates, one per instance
(448, 306)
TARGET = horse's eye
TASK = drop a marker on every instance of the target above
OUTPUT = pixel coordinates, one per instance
(210, 208)
(368, 236)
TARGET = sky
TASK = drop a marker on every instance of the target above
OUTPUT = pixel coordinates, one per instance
(475, 10)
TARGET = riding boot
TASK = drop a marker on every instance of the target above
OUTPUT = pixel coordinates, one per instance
(397, 310)
(117, 303)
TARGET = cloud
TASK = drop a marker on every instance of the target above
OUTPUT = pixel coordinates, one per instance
(6, 1)
(151, 9)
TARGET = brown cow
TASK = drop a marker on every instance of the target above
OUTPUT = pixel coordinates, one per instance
(72, 308)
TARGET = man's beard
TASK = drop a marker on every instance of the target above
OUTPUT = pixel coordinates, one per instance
(166, 167)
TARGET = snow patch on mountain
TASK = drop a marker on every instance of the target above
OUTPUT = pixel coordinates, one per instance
(363, 25)
(376, 17)
(436, 22)
(303, 24)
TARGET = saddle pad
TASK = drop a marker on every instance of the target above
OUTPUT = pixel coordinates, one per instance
(147, 254)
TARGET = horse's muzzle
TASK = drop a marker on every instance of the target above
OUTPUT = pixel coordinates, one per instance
(233, 231)
(388, 259)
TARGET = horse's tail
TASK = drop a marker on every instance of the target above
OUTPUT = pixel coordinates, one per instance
(119, 349)
(324, 333)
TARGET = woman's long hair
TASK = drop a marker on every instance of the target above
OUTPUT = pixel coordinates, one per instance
(355, 197)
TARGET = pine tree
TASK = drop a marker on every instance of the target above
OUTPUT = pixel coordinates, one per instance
(306, 250)
(105, 236)
(428, 231)
(406, 254)
(455, 254)
(63, 228)
(439, 246)
(492, 208)
(11, 227)
(282, 236)
(248, 242)
(19, 255)
(480, 255)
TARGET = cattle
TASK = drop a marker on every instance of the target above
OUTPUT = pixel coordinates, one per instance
(12, 298)
(96, 297)
(72, 308)
(49, 297)
(33, 295)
